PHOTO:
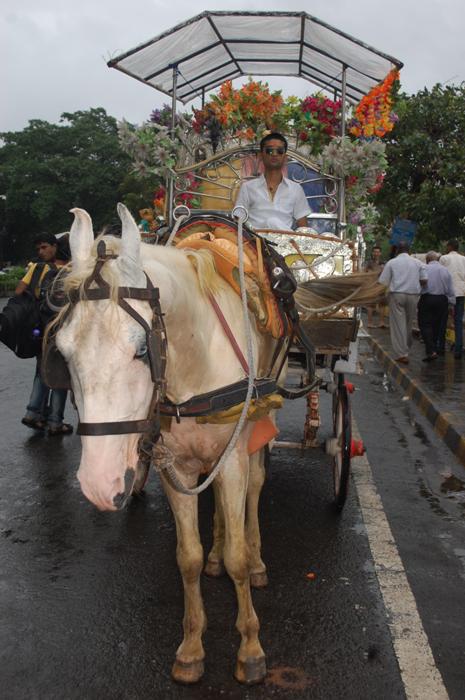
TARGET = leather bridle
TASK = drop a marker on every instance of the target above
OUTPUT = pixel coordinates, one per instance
(156, 340)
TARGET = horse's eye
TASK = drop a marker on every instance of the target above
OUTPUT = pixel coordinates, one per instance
(141, 352)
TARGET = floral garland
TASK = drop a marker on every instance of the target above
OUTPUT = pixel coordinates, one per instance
(244, 113)
(238, 113)
(373, 115)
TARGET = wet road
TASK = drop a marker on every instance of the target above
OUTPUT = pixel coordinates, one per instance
(91, 603)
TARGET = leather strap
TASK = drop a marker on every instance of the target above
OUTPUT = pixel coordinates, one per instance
(229, 334)
(218, 400)
(115, 427)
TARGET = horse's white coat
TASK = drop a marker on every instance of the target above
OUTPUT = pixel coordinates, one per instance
(100, 342)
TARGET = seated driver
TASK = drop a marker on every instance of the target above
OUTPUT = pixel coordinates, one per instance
(272, 200)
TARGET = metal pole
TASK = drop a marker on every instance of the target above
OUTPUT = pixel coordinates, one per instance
(341, 199)
(170, 188)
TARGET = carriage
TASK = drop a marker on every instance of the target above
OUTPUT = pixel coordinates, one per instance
(201, 54)
(162, 345)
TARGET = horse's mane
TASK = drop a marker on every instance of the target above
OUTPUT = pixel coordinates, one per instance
(202, 262)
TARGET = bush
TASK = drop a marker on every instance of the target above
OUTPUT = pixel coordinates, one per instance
(10, 279)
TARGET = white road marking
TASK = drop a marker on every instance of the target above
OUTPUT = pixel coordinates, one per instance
(421, 677)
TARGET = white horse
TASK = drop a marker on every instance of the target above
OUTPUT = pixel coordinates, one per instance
(106, 352)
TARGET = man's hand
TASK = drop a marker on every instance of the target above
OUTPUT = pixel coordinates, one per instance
(21, 287)
(302, 222)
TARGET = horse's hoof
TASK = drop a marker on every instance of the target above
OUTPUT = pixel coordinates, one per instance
(259, 579)
(214, 569)
(251, 671)
(187, 672)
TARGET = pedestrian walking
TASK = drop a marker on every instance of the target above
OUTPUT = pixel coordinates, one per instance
(455, 263)
(404, 277)
(433, 307)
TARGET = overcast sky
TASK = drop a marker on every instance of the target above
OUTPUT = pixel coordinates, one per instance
(53, 53)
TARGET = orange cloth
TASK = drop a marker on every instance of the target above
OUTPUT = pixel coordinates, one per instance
(263, 431)
(221, 243)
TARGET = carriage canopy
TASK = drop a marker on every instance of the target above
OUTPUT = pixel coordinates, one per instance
(216, 46)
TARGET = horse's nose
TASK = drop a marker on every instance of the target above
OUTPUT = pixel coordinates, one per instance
(121, 498)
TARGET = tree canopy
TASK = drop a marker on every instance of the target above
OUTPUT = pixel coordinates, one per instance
(47, 169)
(425, 180)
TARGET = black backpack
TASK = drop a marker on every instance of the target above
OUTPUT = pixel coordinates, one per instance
(23, 319)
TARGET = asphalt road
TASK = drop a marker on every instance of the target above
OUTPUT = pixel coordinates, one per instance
(91, 603)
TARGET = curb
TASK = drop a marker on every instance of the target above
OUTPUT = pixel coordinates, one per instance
(448, 432)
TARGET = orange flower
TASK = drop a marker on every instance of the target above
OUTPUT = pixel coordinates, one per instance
(372, 114)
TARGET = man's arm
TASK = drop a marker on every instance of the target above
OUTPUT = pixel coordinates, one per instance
(26, 281)
(385, 276)
(302, 222)
(21, 287)
(242, 198)
(301, 208)
(450, 291)
(423, 276)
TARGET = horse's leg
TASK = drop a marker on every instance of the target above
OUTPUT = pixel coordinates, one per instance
(232, 482)
(214, 565)
(188, 666)
(258, 577)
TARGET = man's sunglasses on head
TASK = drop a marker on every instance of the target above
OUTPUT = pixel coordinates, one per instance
(278, 151)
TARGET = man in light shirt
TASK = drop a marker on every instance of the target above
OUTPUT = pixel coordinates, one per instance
(272, 200)
(404, 277)
(433, 307)
(455, 263)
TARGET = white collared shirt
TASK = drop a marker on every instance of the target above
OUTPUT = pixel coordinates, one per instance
(403, 274)
(288, 205)
(455, 263)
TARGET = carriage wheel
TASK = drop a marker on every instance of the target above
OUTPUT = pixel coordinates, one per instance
(341, 443)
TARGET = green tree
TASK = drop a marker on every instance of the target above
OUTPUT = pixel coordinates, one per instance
(425, 179)
(47, 169)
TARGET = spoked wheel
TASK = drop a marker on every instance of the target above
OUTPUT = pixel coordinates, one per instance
(339, 446)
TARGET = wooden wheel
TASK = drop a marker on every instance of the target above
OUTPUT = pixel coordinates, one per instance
(339, 445)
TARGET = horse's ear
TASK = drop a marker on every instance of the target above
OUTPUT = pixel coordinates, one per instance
(81, 236)
(130, 236)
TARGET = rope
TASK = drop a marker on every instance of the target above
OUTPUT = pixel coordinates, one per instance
(331, 307)
(166, 461)
(335, 305)
(178, 223)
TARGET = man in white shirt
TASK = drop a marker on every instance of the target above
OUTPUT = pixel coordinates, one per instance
(455, 263)
(272, 200)
(404, 277)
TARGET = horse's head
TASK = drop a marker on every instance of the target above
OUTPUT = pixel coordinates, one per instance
(107, 352)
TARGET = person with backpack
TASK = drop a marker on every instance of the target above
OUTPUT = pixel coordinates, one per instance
(45, 409)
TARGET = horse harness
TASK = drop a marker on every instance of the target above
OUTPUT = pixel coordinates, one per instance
(55, 371)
